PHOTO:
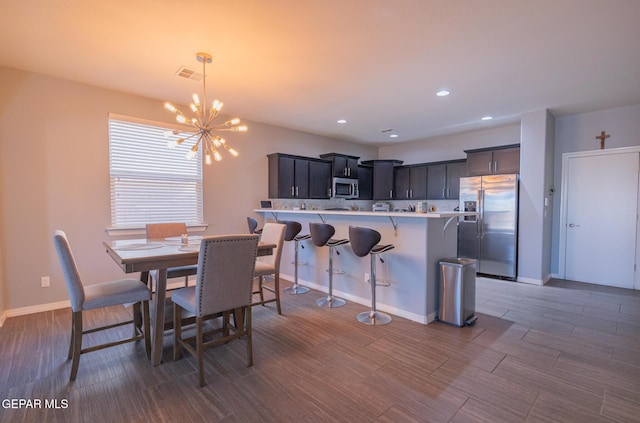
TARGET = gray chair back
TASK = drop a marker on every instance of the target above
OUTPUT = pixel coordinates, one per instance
(273, 233)
(293, 229)
(321, 233)
(70, 270)
(362, 240)
(252, 224)
(225, 273)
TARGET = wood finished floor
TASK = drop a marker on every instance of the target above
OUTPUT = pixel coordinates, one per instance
(565, 352)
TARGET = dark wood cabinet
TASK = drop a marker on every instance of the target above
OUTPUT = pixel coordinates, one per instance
(295, 177)
(343, 166)
(410, 182)
(382, 178)
(443, 180)
(493, 161)
(365, 183)
(319, 179)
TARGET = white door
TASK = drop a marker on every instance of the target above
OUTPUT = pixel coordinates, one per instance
(602, 202)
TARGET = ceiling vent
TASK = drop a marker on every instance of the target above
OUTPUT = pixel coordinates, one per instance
(384, 131)
(185, 72)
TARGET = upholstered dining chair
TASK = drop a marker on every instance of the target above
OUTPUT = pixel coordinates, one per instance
(106, 294)
(167, 230)
(272, 233)
(223, 286)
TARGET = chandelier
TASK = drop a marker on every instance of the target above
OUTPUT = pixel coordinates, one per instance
(202, 125)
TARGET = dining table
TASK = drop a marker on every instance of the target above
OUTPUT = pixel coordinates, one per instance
(144, 255)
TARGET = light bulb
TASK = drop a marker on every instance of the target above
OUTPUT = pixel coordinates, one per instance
(233, 152)
(172, 144)
(242, 128)
(207, 159)
(196, 99)
(190, 155)
(217, 105)
(181, 118)
(217, 156)
(170, 107)
(168, 133)
(235, 121)
(194, 108)
(217, 141)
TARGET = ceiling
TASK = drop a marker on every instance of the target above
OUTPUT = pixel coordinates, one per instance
(304, 64)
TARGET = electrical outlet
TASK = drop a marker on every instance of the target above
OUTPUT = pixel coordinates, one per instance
(45, 282)
(366, 278)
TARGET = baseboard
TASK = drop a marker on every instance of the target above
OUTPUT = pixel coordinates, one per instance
(33, 309)
(532, 281)
(365, 301)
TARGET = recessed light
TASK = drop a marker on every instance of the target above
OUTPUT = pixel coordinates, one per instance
(393, 136)
(342, 121)
(487, 118)
(443, 93)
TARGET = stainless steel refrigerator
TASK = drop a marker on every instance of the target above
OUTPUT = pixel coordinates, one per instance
(491, 238)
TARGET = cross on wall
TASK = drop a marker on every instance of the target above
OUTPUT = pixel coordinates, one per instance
(603, 136)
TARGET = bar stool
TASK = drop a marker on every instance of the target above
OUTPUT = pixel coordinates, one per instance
(321, 234)
(364, 241)
(291, 233)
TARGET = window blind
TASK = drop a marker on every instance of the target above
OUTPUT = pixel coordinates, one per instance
(151, 183)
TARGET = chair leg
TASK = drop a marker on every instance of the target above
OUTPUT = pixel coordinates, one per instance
(137, 319)
(260, 280)
(146, 323)
(200, 348)
(177, 331)
(186, 281)
(276, 287)
(77, 343)
(247, 329)
(73, 336)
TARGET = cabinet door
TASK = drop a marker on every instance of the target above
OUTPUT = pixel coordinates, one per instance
(401, 183)
(352, 168)
(319, 179)
(301, 179)
(365, 183)
(479, 163)
(506, 160)
(286, 175)
(419, 182)
(339, 167)
(383, 181)
(436, 182)
(454, 172)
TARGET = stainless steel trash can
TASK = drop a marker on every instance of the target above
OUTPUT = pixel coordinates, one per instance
(457, 291)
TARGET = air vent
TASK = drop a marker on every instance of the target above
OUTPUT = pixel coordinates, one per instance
(384, 131)
(185, 72)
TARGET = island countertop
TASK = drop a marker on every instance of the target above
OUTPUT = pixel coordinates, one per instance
(428, 215)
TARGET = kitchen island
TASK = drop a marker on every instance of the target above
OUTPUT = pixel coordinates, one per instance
(421, 240)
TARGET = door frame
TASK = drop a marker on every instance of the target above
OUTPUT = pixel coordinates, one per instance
(562, 250)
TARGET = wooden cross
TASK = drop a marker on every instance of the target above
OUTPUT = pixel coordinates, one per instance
(603, 136)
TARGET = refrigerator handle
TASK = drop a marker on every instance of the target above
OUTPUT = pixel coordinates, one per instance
(480, 220)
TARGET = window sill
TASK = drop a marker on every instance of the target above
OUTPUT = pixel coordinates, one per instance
(143, 231)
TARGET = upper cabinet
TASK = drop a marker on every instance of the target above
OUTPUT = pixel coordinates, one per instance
(298, 177)
(443, 180)
(496, 160)
(410, 182)
(365, 183)
(344, 166)
(382, 177)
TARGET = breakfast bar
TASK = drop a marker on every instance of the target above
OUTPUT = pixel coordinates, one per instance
(411, 269)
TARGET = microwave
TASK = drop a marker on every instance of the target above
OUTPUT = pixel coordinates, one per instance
(345, 188)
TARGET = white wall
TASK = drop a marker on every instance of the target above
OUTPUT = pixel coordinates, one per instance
(534, 216)
(577, 133)
(54, 173)
(451, 147)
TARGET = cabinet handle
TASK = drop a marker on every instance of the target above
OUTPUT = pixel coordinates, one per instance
(296, 191)
(489, 166)
(344, 172)
(410, 193)
(329, 192)
(292, 190)
(444, 192)
(495, 166)
(349, 171)
(448, 192)
(407, 193)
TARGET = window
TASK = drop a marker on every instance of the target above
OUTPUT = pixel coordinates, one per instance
(151, 183)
